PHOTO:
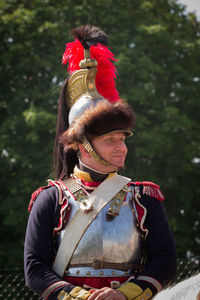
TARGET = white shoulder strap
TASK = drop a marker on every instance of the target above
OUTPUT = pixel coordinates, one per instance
(99, 198)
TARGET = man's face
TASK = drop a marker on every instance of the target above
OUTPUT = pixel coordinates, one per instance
(111, 147)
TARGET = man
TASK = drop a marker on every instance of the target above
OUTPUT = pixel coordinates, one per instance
(93, 234)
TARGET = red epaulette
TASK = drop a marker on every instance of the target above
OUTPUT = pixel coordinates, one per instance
(38, 191)
(34, 196)
(151, 189)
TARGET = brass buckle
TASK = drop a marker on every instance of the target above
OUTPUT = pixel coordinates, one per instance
(114, 284)
(97, 264)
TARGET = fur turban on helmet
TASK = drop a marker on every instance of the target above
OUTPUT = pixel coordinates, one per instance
(97, 121)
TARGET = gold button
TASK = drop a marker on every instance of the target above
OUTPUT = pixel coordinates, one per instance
(101, 273)
(113, 272)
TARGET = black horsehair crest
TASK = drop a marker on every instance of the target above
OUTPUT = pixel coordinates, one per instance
(90, 35)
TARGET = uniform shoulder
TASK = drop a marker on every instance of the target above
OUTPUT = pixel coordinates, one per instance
(52, 185)
(149, 188)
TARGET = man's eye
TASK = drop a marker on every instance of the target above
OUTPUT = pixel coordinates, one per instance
(109, 141)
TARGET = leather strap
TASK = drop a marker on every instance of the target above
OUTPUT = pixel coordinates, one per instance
(99, 198)
(100, 264)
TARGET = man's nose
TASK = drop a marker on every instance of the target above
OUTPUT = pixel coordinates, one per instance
(121, 146)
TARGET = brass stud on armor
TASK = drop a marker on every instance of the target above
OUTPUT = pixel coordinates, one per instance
(88, 273)
(126, 189)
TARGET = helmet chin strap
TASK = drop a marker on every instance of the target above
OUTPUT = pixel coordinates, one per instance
(94, 154)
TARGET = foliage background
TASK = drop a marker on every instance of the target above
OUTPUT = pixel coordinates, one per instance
(157, 46)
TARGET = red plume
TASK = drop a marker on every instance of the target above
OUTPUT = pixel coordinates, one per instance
(106, 70)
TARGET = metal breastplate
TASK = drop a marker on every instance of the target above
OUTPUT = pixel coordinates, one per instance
(110, 239)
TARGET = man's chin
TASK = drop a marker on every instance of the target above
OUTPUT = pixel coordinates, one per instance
(116, 168)
(120, 165)
(117, 165)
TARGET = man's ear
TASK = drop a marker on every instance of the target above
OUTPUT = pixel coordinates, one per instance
(83, 151)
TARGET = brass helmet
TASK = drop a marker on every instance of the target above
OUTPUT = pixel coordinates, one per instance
(92, 104)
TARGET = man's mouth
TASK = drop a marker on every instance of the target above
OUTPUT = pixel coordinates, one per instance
(118, 155)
